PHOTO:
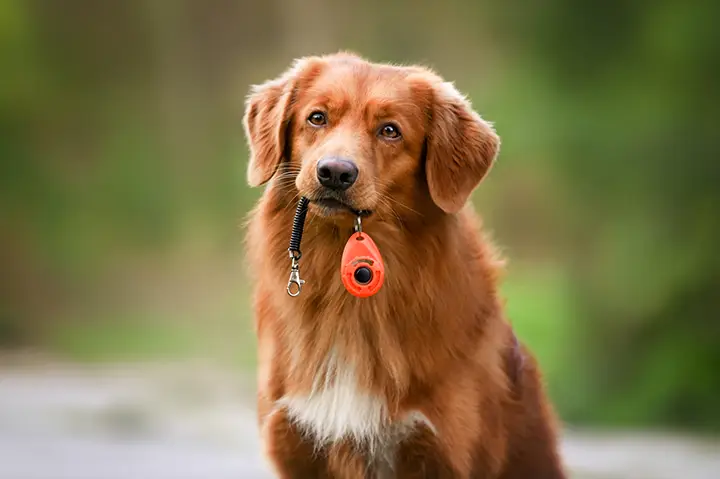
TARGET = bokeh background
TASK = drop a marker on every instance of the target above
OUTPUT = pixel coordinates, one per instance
(122, 185)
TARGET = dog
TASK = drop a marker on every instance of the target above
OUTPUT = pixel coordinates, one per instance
(426, 378)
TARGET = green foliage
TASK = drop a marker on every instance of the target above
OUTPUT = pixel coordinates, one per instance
(122, 340)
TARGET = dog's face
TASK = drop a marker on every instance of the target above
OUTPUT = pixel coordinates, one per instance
(352, 135)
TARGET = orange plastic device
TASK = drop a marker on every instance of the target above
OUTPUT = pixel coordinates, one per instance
(362, 269)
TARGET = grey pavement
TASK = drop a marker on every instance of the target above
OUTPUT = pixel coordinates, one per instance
(194, 421)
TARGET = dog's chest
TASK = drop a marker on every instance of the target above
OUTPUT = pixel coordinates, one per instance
(337, 409)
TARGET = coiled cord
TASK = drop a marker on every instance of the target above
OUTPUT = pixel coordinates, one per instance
(297, 227)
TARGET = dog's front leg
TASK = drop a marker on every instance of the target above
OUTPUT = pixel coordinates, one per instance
(345, 461)
(421, 456)
(292, 455)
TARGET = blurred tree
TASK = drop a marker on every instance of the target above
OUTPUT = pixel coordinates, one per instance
(637, 95)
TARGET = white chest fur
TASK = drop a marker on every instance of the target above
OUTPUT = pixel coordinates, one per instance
(336, 409)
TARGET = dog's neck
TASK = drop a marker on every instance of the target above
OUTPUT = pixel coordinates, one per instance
(434, 262)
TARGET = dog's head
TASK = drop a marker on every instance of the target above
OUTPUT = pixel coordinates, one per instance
(353, 135)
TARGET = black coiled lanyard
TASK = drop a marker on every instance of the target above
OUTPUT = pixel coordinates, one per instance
(294, 285)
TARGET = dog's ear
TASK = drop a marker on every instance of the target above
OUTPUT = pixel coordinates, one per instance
(461, 148)
(268, 111)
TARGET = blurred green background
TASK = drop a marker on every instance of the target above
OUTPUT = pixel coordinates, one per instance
(122, 187)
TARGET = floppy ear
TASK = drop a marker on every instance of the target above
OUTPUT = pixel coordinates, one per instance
(267, 118)
(461, 147)
(266, 121)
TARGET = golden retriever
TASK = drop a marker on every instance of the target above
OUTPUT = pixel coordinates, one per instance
(425, 378)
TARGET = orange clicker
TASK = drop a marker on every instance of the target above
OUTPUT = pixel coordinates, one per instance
(362, 269)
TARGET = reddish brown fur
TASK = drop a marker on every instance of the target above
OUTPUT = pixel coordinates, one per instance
(434, 338)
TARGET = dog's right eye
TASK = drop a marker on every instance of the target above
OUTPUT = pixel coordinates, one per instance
(317, 118)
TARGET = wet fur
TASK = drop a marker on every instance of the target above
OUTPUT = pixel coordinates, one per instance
(425, 379)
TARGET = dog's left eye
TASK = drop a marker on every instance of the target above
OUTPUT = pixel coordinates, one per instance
(390, 131)
(317, 118)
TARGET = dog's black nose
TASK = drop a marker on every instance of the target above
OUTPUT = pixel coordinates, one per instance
(336, 173)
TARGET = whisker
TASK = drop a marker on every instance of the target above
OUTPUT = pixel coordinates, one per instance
(395, 200)
(286, 172)
(400, 203)
(383, 200)
(283, 182)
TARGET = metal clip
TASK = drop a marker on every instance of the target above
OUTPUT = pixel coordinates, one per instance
(294, 285)
(358, 224)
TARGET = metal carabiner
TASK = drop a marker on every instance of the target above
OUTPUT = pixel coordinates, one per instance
(294, 286)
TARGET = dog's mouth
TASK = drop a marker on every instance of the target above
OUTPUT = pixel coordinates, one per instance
(332, 206)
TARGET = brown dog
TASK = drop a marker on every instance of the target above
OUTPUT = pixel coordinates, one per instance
(425, 379)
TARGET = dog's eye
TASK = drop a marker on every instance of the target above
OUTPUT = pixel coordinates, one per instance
(390, 131)
(317, 118)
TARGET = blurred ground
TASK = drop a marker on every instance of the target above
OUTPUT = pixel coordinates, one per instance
(191, 420)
